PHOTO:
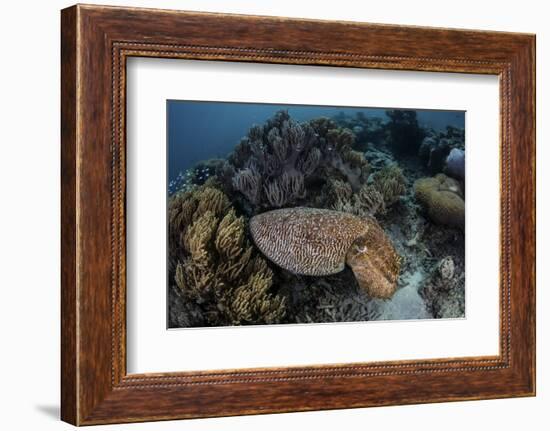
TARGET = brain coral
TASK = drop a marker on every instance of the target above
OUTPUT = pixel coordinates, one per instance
(319, 242)
(442, 198)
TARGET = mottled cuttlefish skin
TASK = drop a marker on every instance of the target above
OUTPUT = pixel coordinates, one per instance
(374, 262)
(306, 241)
(312, 241)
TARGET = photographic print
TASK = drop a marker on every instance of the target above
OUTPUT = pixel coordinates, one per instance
(298, 214)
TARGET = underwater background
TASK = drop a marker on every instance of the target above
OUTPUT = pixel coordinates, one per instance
(193, 121)
(246, 180)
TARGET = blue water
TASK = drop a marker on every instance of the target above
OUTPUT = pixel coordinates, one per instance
(204, 130)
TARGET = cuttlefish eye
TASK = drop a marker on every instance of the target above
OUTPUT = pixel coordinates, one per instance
(361, 248)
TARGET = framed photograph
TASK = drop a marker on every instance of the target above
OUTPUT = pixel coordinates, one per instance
(263, 214)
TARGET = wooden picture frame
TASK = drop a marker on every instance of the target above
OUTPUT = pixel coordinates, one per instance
(96, 41)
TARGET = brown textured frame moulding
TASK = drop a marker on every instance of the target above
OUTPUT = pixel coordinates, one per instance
(96, 41)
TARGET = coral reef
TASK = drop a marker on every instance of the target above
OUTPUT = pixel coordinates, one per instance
(201, 173)
(404, 133)
(436, 146)
(283, 163)
(249, 182)
(340, 160)
(334, 298)
(368, 201)
(273, 162)
(213, 264)
(311, 241)
(368, 131)
(384, 190)
(391, 183)
(335, 192)
(408, 263)
(443, 290)
(379, 157)
(442, 198)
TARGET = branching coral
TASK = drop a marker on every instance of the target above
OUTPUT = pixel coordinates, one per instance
(277, 163)
(336, 298)
(213, 263)
(442, 198)
(275, 194)
(391, 183)
(309, 163)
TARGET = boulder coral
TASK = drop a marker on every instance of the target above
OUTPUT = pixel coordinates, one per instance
(442, 199)
(213, 264)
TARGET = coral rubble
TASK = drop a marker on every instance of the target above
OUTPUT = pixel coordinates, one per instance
(443, 290)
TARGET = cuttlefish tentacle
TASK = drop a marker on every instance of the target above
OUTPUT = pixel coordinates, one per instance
(311, 241)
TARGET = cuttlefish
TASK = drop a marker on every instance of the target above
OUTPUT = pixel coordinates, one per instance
(312, 241)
